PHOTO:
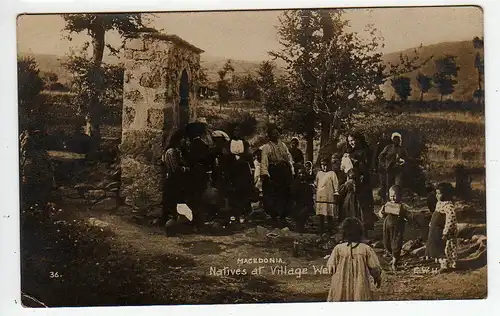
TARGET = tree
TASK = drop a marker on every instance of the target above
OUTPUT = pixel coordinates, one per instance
(223, 85)
(402, 87)
(81, 67)
(30, 84)
(424, 84)
(267, 85)
(479, 65)
(96, 26)
(446, 74)
(330, 73)
(249, 87)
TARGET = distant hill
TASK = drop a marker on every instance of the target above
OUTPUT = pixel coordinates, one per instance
(467, 75)
(465, 52)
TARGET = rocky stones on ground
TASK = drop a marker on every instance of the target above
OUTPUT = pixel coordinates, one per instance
(411, 245)
(106, 204)
(261, 231)
(95, 194)
(466, 230)
(97, 223)
(419, 252)
(113, 185)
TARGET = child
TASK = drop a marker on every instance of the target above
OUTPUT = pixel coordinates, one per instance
(327, 190)
(348, 201)
(442, 242)
(395, 215)
(309, 172)
(336, 167)
(302, 193)
(351, 263)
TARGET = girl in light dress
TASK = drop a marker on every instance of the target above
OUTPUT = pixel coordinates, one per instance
(351, 265)
(327, 191)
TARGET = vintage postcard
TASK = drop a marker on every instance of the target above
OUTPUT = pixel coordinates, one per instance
(276, 156)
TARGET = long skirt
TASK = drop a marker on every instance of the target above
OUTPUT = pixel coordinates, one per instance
(435, 243)
(276, 190)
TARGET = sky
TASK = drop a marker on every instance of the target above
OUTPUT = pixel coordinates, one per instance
(250, 35)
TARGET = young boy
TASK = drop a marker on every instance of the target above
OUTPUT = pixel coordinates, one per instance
(395, 216)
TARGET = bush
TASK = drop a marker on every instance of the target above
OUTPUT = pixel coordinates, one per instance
(30, 84)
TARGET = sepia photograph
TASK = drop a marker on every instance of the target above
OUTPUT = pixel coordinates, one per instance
(263, 156)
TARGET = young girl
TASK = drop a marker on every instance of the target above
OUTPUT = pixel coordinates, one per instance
(348, 201)
(351, 263)
(442, 243)
(395, 215)
(327, 190)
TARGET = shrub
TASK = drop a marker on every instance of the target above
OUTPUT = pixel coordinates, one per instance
(30, 84)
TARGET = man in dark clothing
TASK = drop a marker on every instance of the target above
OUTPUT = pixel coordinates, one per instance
(392, 159)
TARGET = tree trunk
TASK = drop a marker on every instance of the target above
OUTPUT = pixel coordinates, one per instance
(441, 98)
(310, 138)
(93, 117)
(421, 96)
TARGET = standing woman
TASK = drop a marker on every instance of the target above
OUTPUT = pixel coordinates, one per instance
(175, 179)
(239, 173)
(276, 174)
(360, 156)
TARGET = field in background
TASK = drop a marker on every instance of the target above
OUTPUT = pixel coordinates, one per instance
(452, 136)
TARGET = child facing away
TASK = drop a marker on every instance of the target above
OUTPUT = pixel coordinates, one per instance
(351, 263)
(395, 215)
(442, 239)
(327, 191)
(303, 201)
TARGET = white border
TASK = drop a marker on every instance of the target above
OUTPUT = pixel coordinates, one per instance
(9, 219)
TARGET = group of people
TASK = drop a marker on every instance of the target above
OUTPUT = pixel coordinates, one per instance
(201, 164)
(341, 188)
(353, 261)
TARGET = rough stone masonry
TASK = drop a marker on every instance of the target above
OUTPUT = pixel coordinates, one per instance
(155, 64)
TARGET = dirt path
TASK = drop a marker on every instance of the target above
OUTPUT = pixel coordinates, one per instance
(107, 259)
(231, 257)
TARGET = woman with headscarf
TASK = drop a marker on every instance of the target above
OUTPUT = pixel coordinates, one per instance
(393, 159)
(359, 154)
(276, 174)
(297, 154)
(174, 188)
(198, 152)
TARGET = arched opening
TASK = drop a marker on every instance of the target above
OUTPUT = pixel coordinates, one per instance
(184, 99)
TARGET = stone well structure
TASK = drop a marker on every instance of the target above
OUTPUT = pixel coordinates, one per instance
(159, 95)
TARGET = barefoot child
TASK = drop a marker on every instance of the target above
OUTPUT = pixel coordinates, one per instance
(327, 190)
(442, 240)
(395, 215)
(351, 264)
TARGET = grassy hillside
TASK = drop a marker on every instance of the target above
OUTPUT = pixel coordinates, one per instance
(465, 52)
(467, 75)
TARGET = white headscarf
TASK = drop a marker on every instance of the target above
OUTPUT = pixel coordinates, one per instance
(396, 134)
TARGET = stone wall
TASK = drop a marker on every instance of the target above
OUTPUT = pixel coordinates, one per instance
(153, 68)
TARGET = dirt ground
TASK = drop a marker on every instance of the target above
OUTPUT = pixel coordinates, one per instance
(77, 257)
